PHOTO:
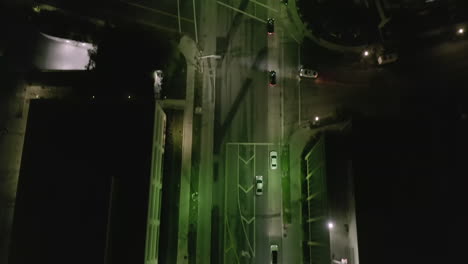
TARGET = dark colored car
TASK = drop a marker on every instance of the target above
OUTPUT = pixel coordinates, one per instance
(272, 76)
(270, 26)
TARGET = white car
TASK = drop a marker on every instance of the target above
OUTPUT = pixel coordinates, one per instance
(274, 254)
(258, 185)
(387, 58)
(308, 73)
(273, 160)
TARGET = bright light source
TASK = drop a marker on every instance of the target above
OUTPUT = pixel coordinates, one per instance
(330, 225)
(129, 97)
(67, 41)
(366, 53)
(317, 118)
(93, 97)
(461, 31)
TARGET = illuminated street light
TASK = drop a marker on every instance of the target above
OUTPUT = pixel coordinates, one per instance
(317, 118)
(330, 225)
(460, 31)
(129, 97)
(365, 53)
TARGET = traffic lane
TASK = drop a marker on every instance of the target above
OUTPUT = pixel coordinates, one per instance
(275, 202)
(244, 48)
(261, 232)
(246, 202)
(379, 93)
(240, 202)
(290, 81)
(243, 85)
(231, 211)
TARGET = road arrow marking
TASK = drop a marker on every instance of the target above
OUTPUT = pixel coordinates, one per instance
(245, 190)
(248, 221)
(245, 162)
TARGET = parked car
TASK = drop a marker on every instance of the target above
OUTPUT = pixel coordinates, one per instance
(308, 73)
(272, 76)
(274, 254)
(273, 160)
(270, 26)
(258, 185)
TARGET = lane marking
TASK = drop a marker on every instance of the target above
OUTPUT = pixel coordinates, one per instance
(250, 143)
(265, 6)
(254, 206)
(248, 221)
(239, 206)
(242, 12)
(245, 190)
(195, 21)
(178, 16)
(245, 162)
(231, 245)
(156, 11)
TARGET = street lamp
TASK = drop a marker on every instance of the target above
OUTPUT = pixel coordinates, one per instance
(330, 225)
(365, 53)
(460, 31)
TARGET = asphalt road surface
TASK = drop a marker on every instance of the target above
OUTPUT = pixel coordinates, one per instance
(249, 118)
(253, 221)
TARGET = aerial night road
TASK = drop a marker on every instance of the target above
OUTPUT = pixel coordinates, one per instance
(257, 95)
(251, 126)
